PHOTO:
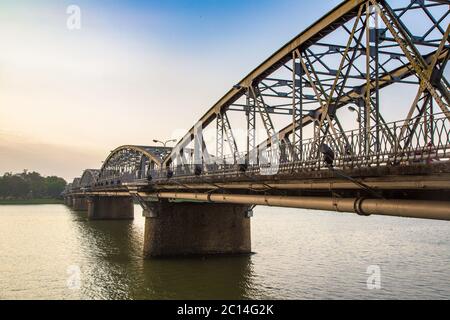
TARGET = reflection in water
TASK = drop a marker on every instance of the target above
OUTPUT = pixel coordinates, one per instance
(299, 254)
(211, 278)
(115, 262)
(111, 256)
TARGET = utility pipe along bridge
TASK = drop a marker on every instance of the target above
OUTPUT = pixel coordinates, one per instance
(351, 115)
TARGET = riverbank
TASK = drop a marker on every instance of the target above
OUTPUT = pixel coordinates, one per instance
(31, 201)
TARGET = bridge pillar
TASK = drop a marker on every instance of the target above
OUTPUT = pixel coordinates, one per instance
(79, 203)
(110, 208)
(70, 201)
(174, 229)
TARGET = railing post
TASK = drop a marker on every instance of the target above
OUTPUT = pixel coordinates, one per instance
(396, 142)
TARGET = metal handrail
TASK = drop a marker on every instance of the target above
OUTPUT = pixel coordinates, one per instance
(430, 141)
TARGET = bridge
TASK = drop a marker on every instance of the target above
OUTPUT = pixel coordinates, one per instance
(352, 115)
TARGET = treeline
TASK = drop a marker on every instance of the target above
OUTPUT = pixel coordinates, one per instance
(30, 185)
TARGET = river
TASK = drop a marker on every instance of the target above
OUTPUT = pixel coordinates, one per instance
(51, 252)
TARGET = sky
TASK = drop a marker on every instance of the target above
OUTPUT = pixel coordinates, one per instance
(132, 72)
(135, 71)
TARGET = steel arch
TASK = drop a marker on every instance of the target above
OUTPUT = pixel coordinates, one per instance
(75, 183)
(129, 163)
(89, 177)
(343, 60)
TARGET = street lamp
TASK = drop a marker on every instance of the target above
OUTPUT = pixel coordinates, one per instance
(353, 109)
(164, 142)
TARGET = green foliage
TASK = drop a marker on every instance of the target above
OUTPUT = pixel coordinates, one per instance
(30, 185)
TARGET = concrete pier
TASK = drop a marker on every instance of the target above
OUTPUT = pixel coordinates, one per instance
(79, 203)
(68, 201)
(110, 208)
(175, 229)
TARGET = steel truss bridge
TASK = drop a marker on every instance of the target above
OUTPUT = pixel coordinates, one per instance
(350, 115)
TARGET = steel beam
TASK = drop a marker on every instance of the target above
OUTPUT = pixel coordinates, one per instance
(328, 23)
(439, 210)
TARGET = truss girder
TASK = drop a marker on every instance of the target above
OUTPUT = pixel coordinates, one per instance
(346, 59)
(128, 163)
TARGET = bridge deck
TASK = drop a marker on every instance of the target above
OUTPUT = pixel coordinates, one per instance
(416, 181)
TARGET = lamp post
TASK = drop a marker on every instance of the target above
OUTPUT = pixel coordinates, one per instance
(164, 143)
(353, 109)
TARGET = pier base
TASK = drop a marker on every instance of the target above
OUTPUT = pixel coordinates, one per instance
(176, 229)
(68, 201)
(79, 203)
(110, 208)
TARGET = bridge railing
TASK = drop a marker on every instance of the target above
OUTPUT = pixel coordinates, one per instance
(420, 141)
(118, 178)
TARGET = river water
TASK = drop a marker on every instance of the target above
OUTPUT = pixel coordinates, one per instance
(51, 252)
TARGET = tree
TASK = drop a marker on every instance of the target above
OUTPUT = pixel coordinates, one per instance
(30, 185)
(55, 186)
(14, 186)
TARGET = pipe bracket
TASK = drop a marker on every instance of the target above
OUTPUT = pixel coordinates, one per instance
(357, 206)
